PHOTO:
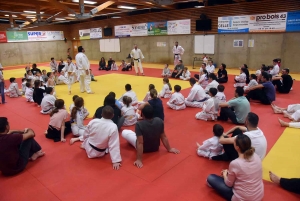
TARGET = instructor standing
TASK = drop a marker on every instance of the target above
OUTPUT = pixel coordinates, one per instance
(83, 66)
(137, 56)
(177, 51)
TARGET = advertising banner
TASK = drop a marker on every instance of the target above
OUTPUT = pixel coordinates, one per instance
(84, 34)
(123, 31)
(139, 29)
(55, 35)
(3, 38)
(233, 24)
(179, 27)
(37, 35)
(293, 21)
(96, 33)
(271, 22)
(16, 36)
(157, 28)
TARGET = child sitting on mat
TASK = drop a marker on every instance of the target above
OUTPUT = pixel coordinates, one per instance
(13, 89)
(211, 147)
(166, 71)
(176, 101)
(128, 112)
(84, 110)
(166, 91)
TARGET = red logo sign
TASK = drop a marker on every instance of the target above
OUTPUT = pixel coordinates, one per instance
(3, 38)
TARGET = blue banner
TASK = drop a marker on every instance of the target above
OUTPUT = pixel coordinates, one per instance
(293, 21)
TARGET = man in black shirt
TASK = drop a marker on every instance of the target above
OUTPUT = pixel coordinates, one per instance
(284, 83)
(178, 70)
(34, 69)
(147, 135)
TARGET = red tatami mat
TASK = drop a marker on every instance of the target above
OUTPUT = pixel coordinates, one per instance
(65, 173)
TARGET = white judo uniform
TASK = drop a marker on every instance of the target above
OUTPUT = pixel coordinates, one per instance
(132, 95)
(196, 97)
(14, 91)
(205, 60)
(176, 101)
(252, 83)
(294, 111)
(102, 134)
(146, 99)
(185, 75)
(240, 80)
(114, 67)
(77, 126)
(70, 74)
(47, 104)
(275, 70)
(221, 96)
(178, 52)
(165, 92)
(213, 84)
(53, 66)
(83, 66)
(210, 109)
(130, 116)
(137, 56)
(203, 81)
(210, 147)
(29, 94)
(210, 68)
(166, 72)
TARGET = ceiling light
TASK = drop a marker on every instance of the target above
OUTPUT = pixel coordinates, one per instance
(30, 11)
(12, 16)
(127, 7)
(20, 21)
(3, 20)
(71, 15)
(30, 17)
(60, 19)
(199, 6)
(115, 17)
(86, 2)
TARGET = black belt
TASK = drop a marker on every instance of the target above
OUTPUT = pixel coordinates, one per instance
(136, 59)
(47, 110)
(96, 148)
(176, 54)
(204, 99)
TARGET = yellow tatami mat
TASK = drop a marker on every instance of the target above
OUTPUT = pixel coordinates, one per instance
(283, 159)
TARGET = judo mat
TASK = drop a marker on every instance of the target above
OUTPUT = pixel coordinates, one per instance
(65, 172)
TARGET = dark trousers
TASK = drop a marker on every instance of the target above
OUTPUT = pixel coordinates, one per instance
(217, 183)
(229, 151)
(175, 73)
(258, 94)
(2, 92)
(292, 185)
(53, 133)
(222, 80)
(226, 113)
(280, 87)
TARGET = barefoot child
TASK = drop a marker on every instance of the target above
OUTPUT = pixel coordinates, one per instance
(210, 107)
(128, 112)
(203, 80)
(13, 89)
(220, 95)
(29, 92)
(84, 110)
(166, 91)
(186, 74)
(211, 147)
(252, 82)
(176, 101)
(38, 93)
(166, 71)
(77, 117)
(48, 101)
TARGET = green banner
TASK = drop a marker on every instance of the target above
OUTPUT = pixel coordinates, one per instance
(16, 36)
(157, 28)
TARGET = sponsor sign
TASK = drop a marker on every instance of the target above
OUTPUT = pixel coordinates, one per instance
(157, 28)
(123, 31)
(271, 22)
(96, 33)
(293, 21)
(54, 35)
(179, 27)
(139, 29)
(3, 38)
(16, 36)
(37, 35)
(233, 24)
(84, 34)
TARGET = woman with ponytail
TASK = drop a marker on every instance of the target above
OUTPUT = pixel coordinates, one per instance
(156, 103)
(77, 117)
(58, 126)
(243, 179)
(166, 91)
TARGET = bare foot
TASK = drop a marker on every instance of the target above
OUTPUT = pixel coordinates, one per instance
(73, 140)
(46, 132)
(37, 154)
(282, 123)
(274, 178)
(143, 74)
(91, 92)
(198, 145)
(137, 74)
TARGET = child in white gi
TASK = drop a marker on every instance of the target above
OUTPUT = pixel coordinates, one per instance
(210, 107)
(240, 79)
(129, 92)
(13, 89)
(211, 147)
(166, 71)
(252, 82)
(220, 95)
(203, 80)
(83, 109)
(186, 74)
(114, 66)
(128, 112)
(29, 92)
(48, 101)
(292, 111)
(77, 118)
(70, 72)
(24, 81)
(176, 101)
(166, 91)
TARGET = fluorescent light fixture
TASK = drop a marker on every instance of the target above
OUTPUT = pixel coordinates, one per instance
(127, 7)
(30, 11)
(74, 38)
(12, 16)
(30, 17)
(20, 21)
(86, 2)
(115, 17)
(71, 15)
(3, 20)
(199, 6)
(147, 2)
(60, 19)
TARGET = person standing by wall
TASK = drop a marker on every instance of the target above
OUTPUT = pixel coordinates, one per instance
(2, 85)
(83, 66)
(137, 56)
(178, 52)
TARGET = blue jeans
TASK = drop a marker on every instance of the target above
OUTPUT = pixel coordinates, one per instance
(217, 183)
(2, 91)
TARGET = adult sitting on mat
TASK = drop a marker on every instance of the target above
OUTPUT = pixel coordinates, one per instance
(292, 185)
(16, 148)
(264, 92)
(250, 129)
(284, 82)
(147, 135)
(243, 179)
(235, 109)
(222, 74)
(177, 72)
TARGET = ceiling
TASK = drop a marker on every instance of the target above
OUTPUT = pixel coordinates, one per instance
(53, 11)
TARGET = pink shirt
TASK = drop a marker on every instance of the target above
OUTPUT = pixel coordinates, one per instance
(57, 119)
(245, 176)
